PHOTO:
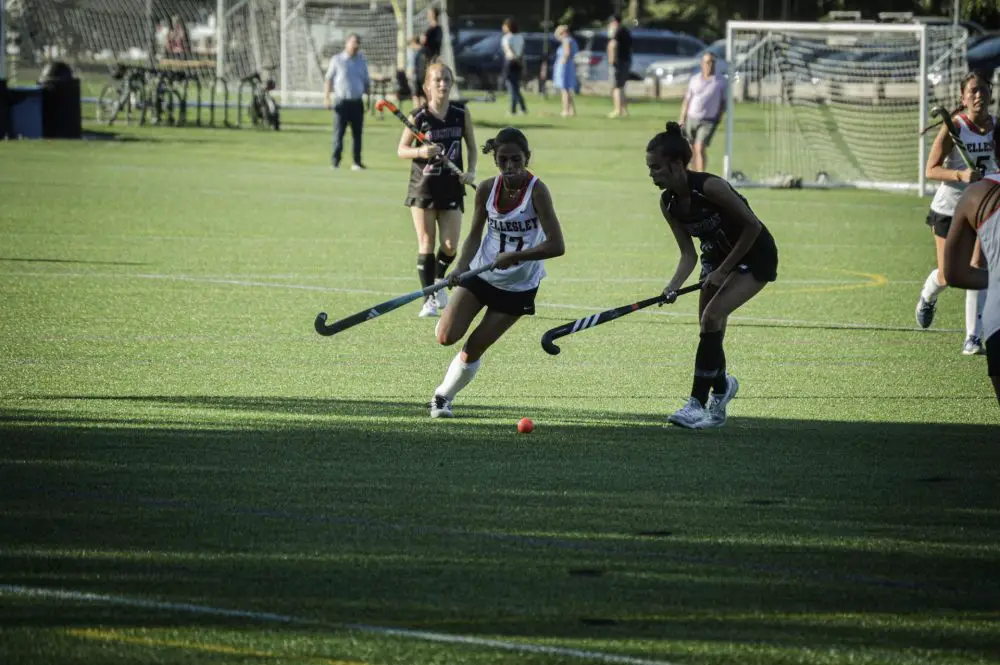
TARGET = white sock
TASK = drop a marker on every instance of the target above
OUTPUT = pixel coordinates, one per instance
(932, 288)
(974, 302)
(458, 376)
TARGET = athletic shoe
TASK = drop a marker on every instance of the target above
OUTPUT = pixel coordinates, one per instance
(429, 309)
(441, 407)
(717, 403)
(441, 297)
(925, 312)
(973, 346)
(358, 167)
(690, 416)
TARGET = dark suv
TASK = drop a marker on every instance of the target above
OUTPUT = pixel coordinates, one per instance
(481, 65)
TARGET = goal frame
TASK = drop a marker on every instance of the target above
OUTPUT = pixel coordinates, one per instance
(919, 30)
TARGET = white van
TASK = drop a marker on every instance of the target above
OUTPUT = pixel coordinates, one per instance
(648, 45)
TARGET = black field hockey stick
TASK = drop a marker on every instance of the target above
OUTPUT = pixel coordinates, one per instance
(604, 317)
(378, 310)
(420, 136)
(956, 138)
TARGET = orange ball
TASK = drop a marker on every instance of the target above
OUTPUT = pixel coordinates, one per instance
(525, 426)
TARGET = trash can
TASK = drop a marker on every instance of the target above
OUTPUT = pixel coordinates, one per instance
(61, 113)
(25, 109)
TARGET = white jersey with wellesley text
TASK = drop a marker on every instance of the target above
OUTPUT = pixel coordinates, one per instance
(989, 238)
(513, 231)
(981, 147)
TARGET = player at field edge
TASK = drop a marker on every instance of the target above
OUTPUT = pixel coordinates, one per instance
(738, 259)
(521, 228)
(435, 194)
(976, 129)
(976, 223)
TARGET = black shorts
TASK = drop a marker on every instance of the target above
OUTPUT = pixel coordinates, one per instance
(435, 204)
(993, 354)
(940, 223)
(761, 261)
(515, 303)
(621, 74)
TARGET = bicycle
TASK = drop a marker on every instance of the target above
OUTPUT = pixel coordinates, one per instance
(128, 94)
(263, 110)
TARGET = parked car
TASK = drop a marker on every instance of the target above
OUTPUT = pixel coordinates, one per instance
(679, 70)
(648, 45)
(480, 66)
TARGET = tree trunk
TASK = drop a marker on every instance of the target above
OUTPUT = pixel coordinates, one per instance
(635, 9)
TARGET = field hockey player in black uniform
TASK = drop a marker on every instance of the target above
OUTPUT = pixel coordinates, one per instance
(436, 194)
(738, 259)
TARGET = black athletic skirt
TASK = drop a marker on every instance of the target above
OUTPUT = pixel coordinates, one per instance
(761, 261)
(515, 303)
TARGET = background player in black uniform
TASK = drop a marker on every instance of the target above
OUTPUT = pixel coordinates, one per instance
(436, 195)
(738, 258)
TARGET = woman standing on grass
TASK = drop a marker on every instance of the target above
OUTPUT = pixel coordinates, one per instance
(522, 229)
(436, 196)
(564, 72)
(977, 224)
(976, 130)
(738, 259)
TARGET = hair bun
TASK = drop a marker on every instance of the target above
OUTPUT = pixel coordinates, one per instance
(673, 129)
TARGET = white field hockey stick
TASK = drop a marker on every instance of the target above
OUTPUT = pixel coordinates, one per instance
(378, 310)
(420, 136)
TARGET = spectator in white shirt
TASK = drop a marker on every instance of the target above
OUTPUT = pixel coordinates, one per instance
(704, 103)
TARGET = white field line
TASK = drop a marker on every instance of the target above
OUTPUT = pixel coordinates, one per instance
(375, 292)
(269, 617)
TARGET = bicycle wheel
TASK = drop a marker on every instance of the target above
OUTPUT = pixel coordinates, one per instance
(108, 104)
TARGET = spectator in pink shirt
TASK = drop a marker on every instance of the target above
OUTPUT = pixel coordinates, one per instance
(704, 103)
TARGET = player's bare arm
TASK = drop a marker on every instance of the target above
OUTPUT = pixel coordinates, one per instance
(475, 237)
(469, 135)
(960, 244)
(406, 149)
(719, 192)
(688, 258)
(936, 170)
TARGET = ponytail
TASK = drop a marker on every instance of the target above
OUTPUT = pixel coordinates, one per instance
(671, 144)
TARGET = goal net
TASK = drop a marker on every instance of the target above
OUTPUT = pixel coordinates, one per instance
(305, 34)
(836, 104)
(95, 35)
(288, 41)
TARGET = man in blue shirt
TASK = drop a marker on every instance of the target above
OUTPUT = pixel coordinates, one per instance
(347, 80)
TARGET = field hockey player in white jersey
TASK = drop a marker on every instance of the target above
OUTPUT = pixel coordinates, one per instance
(976, 130)
(977, 220)
(521, 230)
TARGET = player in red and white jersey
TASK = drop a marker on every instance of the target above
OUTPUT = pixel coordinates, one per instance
(521, 229)
(976, 129)
(977, 218)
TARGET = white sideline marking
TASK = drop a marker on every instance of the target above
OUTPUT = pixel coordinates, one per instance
(427, 636)
(335, 289)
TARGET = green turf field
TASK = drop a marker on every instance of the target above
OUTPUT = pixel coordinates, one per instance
(190, 474)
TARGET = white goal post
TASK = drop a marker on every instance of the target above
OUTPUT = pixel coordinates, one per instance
(836, 104)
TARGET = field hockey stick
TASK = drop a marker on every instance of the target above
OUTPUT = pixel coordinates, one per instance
(386, 104)
(378, 310)
(603, 317)
(945, 116)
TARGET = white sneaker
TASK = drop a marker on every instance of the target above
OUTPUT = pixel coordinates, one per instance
(973, 346)
(690, 416)
(716, 407)
(441, 297)
(441, 407)
(430, 308)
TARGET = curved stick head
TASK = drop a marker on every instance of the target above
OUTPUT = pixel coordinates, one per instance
(939, 112)
(380, 104)
(320, 323)
(549, 347)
